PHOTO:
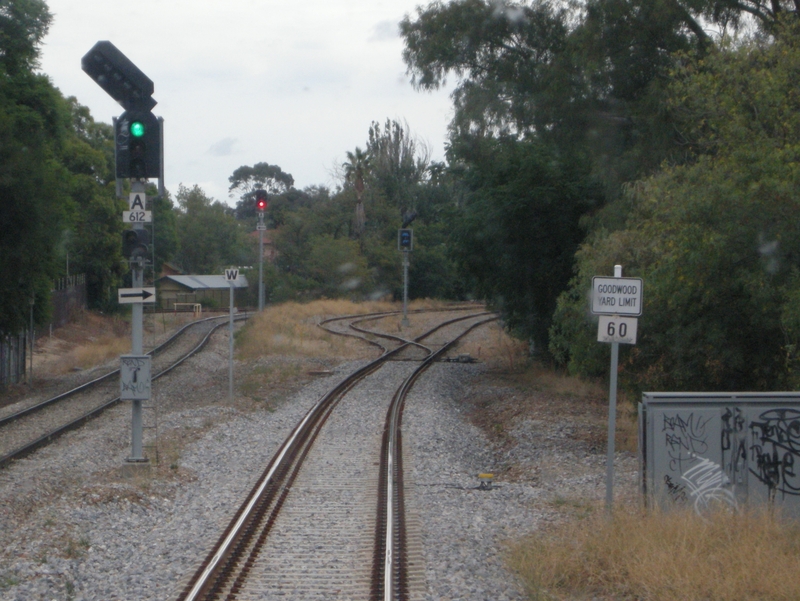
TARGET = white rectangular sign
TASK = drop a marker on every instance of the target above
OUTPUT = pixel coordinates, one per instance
(137, 216)
(136, 295)
(134, 377)
(613, 328)
(261, 227)
(137, 201)
(232, 274)
(616, 296)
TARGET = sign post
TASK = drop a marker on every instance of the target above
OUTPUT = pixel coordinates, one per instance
(137, 339)
(261, 227)
(261, 209)
(611, 299)
(138, 155)
(231, 275)
(405, 243)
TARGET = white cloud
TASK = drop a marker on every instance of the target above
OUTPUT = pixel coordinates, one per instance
(243, 81)
(223, 148)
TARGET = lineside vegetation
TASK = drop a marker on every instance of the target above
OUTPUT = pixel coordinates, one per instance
(749, 555)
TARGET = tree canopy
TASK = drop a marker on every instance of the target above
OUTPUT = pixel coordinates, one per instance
(714, 239)
(246, 180)
(209, 238)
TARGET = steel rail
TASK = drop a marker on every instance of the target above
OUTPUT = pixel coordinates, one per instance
(358, 317)
(215, 571)
(235, 537)
(44, 439)
(400, 339)
(85, 386)
(390, 580)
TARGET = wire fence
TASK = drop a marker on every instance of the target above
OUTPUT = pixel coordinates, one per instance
(13, 350)
(68, 295)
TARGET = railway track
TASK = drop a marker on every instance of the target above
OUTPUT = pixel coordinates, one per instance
(36, 425)
(326, 518)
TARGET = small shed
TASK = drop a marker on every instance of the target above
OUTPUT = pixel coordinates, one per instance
(182, 291)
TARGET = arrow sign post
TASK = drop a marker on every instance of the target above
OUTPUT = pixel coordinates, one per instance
(131, 88)
(231, 275)
(136, 295)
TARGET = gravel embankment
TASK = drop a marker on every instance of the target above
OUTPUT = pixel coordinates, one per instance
(73, 527)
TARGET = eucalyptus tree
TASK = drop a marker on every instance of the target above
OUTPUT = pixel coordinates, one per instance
(714, 238)
(556, 106)
(33, 122)
(209, 236)
(246, 179)
(398, 162)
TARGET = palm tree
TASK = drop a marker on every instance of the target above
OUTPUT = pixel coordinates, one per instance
(355, 169)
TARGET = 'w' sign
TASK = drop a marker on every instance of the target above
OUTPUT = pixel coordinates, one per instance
(231, 274)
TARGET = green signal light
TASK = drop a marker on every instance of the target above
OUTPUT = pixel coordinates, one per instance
(137, 129)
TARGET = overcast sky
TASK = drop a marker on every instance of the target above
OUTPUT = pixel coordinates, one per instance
(238, 82)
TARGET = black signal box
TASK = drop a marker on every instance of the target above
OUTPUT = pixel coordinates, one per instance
(405, 239)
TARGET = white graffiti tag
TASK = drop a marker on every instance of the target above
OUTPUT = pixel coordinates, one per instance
(707, 483)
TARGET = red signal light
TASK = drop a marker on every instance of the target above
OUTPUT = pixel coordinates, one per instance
(261, 200)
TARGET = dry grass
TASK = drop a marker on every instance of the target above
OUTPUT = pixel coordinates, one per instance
(546, 379)
(493, 345)
(283, 347)
(91, 339)
(87, 356)
(290, 329)
(658, 556)
(88, 340)
(541, 378)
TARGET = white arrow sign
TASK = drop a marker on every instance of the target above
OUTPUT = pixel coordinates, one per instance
(136, 295)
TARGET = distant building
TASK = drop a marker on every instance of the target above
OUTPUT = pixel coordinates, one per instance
(180, 292)
(170, 269)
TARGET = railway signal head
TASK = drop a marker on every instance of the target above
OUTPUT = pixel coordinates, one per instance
(261, 200)
(134, 244)
(138, 145)
(405, 239)
(408, 218)
(119, 77)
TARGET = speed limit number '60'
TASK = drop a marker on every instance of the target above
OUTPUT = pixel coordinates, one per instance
(613, 328)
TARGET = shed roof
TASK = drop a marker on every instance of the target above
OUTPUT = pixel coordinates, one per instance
(206, 282)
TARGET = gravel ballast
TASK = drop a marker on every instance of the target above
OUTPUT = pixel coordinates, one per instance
(73, 526)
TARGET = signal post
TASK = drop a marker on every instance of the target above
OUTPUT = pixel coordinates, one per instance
(405, 244)
(138, 144)
(261, 209)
